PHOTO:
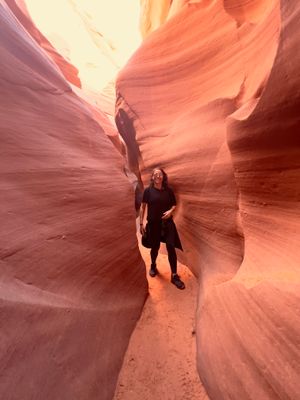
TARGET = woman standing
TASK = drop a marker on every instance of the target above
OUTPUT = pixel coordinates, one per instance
(161, 203)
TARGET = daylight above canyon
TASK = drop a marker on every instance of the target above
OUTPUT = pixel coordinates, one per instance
(94, 95)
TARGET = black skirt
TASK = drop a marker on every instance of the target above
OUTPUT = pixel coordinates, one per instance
(161, 231)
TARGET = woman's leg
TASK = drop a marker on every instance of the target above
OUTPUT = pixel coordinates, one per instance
(154, 252)
(172, 258)
(173, 264)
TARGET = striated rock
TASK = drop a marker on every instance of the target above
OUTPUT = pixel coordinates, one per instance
(97, 40)
(90, 42)
(265, 148)
(20, 10)
(153, 13)
(72, 281)
(178, 120)
(198, 99)
(101, 104)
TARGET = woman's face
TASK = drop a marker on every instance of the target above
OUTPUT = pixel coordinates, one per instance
(157, 176)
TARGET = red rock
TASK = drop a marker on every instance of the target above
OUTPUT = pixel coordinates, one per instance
(72, 279)
(101, 104)
(206, 99)
(153, 13)
(20, 10)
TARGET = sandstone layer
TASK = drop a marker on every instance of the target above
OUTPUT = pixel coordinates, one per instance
(72, 281)
(212, 96)
(153, 13)
(87, 49)
(20, 11)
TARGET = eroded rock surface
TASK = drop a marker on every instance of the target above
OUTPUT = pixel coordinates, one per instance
(212, 97)
(72, 281)
(20, 11)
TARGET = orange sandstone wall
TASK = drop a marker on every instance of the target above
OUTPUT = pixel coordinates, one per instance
(20, 11)
(72, 282)
(212, 97)
(173, 98)
(153, 13)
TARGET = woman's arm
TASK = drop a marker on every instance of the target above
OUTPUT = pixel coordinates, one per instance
(142, 213)
(169, 213)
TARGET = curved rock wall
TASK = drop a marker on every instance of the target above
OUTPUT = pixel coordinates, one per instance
(72, 282)
(20, 11)
(178, 104)
(201, 103)
(153, 13)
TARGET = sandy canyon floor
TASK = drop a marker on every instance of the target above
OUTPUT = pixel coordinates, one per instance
(160, 362)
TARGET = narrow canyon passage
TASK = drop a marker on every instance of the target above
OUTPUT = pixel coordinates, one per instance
(160, 362)
(94, 95)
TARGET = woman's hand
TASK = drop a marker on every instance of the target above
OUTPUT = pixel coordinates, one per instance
(142, 229)
(167, 214)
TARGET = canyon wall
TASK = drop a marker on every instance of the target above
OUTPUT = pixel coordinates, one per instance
(72, 281)
(212, 96)
(20, 11)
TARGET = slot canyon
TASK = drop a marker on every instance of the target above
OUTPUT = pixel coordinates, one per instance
(92, 98)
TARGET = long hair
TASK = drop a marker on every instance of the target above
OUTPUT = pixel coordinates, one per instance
(165, 178)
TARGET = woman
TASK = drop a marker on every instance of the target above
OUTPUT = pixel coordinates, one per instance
(161, 203)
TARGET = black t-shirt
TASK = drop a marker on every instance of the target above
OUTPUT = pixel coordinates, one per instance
(158, 202)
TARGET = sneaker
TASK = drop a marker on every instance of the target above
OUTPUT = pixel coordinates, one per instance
(153, 271)
(177, 282)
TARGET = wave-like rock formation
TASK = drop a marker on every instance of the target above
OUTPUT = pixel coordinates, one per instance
(72, 281)
(89, 42)
(212, 96)
(95, 38)
(153, 14)
(20, 11)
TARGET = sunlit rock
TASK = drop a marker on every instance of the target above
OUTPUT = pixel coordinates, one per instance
(153, 14)
(96, 39)
(20, 10)
(211, 97)
(95, 42)
(72, 281)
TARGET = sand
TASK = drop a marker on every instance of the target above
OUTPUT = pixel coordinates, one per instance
(160, 362)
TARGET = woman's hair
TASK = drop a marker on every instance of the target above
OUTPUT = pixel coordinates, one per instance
(165, 178)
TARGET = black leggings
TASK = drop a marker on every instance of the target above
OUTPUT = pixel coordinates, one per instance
(172, 257)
